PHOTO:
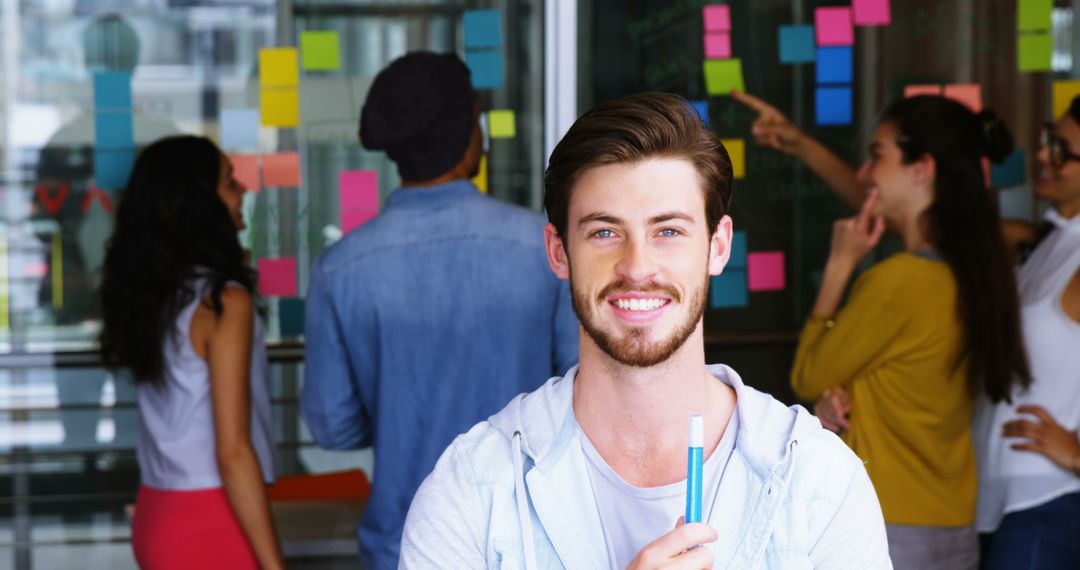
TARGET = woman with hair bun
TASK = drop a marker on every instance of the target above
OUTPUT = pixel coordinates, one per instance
(177, 298)
(923, 332)
(1029, 455)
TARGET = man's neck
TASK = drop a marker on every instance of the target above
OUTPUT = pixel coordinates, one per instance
(638, 419)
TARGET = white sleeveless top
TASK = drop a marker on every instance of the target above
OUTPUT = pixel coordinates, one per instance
(1012, 480)
(176, 421)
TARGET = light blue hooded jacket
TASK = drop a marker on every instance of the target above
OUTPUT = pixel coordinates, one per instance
(792, 496)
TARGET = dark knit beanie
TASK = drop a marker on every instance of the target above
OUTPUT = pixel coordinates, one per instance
(420, 111)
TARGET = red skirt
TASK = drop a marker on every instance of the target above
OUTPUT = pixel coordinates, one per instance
(188, 529)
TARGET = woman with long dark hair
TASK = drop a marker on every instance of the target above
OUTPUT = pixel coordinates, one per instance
(924, 331)
(177, 299)
(1029, 493)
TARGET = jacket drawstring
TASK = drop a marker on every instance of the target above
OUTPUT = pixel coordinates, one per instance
(523, 505)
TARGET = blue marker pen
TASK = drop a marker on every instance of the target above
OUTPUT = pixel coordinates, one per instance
(693, 470)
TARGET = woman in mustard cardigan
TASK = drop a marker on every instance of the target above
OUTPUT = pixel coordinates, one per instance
(898, 366)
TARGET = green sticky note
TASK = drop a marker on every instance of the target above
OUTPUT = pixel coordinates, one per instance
(1033, 14)
(501, 124)
(320, 50)
(1034, 51)
(722, 76)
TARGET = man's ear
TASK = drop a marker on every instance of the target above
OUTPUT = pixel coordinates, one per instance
(556, 252)
(720, 246)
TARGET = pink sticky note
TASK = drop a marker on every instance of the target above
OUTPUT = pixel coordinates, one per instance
(717, 18)
(926, 89)
(717, 45)
(277, 277)
(359, 190)
(969, 94)
(833, 27)
(246, 170)
(765, 271)
(353, 219)
(871, 12)
(281, 169)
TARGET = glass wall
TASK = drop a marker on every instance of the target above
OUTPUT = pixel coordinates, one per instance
(68, 427)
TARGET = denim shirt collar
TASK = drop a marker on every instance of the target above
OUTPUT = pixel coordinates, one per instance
(450, 191)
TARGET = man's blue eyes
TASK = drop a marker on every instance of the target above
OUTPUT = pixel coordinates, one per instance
(668, 232)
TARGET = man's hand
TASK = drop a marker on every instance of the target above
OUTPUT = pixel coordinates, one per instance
(832, 408)
(1046, 437)
(771, 128)
(675, 550)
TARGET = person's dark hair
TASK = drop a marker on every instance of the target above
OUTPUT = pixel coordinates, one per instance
(632, 129)
(171, 227)
(421, 111)
(1074, 109)
(964, 226)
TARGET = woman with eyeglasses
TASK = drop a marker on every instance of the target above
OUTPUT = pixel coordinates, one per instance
(1029, 488)
(1029, 455)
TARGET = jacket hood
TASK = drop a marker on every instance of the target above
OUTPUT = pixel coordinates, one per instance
(767, 428)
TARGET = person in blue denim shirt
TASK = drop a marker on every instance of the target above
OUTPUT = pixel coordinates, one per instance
(437, 312)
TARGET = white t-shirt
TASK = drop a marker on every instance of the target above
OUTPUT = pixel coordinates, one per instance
(633, 517)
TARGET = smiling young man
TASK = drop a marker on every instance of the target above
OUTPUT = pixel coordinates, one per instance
(589, 471)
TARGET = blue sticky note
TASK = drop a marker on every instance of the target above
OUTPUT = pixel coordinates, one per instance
(291, 315)
(738, 251)
(112, 90)
(832, 106)
(1012, 172)
(834, 65)
(239, 129)
(115, 130)
(797, 44)
(483, 28)
(112, 168)
(486, 68)
(728, 290)
(702, 110)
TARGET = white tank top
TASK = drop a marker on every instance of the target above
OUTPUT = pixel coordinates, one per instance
(176, 421)
(1016, 480)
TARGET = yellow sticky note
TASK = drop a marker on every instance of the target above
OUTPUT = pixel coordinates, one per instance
(280, 107)
(501, 124)
(481, 179)
(1064, 92)
(320, 50)
(736, 149)
(278, 67)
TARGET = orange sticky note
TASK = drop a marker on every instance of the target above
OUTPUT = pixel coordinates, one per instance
(280, 107)
(246, 170)
(969, 94)
(926, 89)
(281, 169)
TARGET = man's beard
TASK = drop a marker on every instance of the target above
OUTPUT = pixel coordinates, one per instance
(634, 349)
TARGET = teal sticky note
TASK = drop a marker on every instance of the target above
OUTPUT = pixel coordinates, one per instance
(832, 106)
(114, 130)
(291, 316)
(728, 290)
(112, 91)
(797, 44)
(738, 251)
(483, 29)
(486, 68)
(1011, 172)
(112, 168)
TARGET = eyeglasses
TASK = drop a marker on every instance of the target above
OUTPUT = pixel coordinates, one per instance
(1057, 147)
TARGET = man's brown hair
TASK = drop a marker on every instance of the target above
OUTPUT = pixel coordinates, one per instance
(632, 129)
